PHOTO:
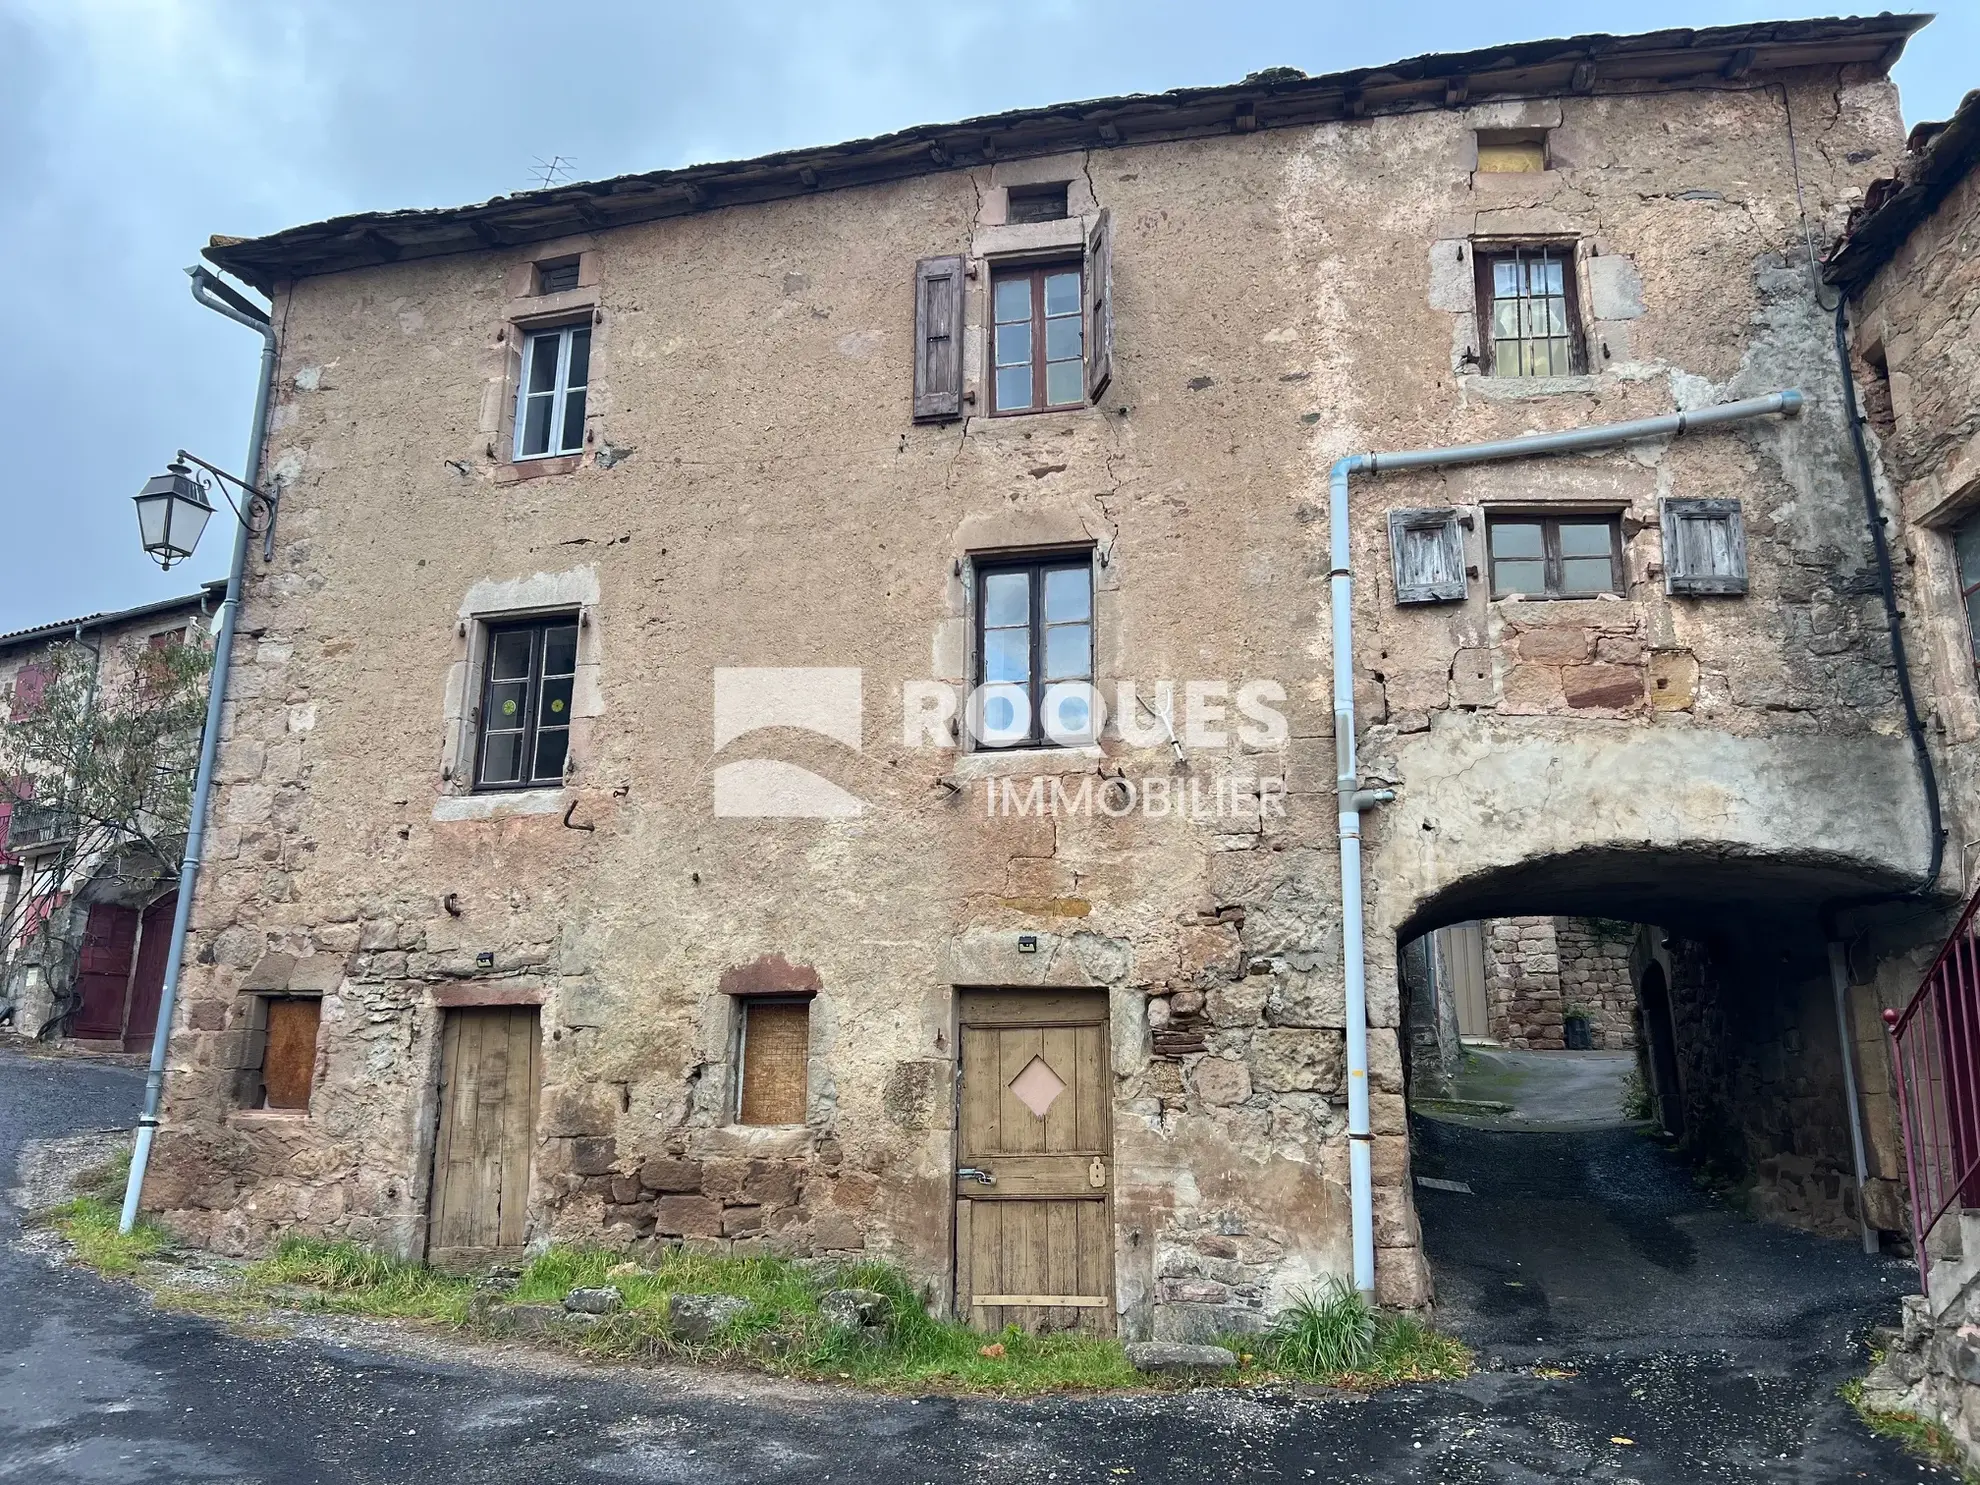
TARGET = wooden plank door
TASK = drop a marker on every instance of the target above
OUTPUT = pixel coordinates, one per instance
(489, 1072)
(148, 980)
(1463, 946)
(1035, 1243)
(104, 975)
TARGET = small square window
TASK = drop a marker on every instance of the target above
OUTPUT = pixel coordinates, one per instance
(1042, 203)
(283, 1033)
(556, 370)
(1526, 312)
(775, 1044)
(1555, 556)
(1512, 151)
(1039, 339)
(557, 276)
(1034, 652)
(525, 719)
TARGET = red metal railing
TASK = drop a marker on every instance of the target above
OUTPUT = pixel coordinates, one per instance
(1936, 1043)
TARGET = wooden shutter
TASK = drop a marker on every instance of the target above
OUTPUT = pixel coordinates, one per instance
(288, 1065)
(1704, 547)
(30, 688)
(1426, 548)
(938, 321)
(776, 1041)
(1099, 307)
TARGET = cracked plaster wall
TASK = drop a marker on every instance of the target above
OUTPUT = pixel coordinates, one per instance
(767, 501)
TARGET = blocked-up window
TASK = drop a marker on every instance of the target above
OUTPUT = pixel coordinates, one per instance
(1528, 313)
(1039, 203)
(1034, 651)
(1512, 151)
(1427, 550)
(774, 1046)
(556, 372)
(280, 1063)
(1966, 545)
(525, 712)
(1554, 556)
(1704, 546)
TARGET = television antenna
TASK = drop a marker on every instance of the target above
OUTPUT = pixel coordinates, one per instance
(552, 172)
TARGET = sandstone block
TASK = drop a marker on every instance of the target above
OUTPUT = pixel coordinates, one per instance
(664, 1173)
(1295, 1060)
(687, 1216)
(1174, 1359)
(1222, 1081)
(592, 1155)
(1614, 687)
(1554, 646)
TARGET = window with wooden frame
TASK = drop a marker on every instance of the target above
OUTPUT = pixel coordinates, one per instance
(1039, 339)
(1966, 550)
(1565, 556)
(1034, 651)
(1527, 311)
(524, 719)
(280, 1064)
(550, 394)
(773, 1046)
(1044, 202)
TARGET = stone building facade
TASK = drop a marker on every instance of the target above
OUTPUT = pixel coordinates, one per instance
(84, 915)
(1290, 271)
(1908, 268)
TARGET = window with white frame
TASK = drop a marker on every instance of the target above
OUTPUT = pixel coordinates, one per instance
(550, 398)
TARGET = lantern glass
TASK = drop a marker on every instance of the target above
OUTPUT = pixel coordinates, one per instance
(172, 512)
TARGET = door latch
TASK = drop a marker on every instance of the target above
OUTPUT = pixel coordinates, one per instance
(971, 1173)
(1096, 1173)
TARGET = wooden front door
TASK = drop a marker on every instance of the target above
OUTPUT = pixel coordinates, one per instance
(1035, 1162)
(103, 977)
(148, 980)
(489, 1069)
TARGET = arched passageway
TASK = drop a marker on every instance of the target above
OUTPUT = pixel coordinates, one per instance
(1643, 1115)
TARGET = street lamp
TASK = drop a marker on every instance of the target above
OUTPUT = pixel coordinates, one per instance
(172, 511)
(173, 508)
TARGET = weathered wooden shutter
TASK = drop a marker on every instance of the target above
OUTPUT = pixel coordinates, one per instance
(30, 688)
(1099, 306)
(938, 321)
(1704, 546)
(1427, 550)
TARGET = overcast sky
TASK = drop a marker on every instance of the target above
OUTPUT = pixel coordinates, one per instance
(132, 129)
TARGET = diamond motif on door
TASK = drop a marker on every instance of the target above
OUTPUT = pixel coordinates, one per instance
(1037, 1087)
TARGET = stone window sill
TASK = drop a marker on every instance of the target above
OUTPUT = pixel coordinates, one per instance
(532, 469)
(508, 805)
(268, 1116)
(1005, 762)
(1524, 388)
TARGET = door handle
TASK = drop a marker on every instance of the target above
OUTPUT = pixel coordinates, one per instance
(971, 1173)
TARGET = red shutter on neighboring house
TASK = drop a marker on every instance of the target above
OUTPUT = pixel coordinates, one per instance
(30, 685)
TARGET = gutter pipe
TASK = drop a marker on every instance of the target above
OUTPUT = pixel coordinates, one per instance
(219, 297)
(1354, 799)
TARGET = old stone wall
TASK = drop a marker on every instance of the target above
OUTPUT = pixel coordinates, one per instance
(1541, 970)
(755, 494)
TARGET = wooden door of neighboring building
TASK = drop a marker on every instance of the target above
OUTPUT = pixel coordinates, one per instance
(1462, 952)
(103, 976)
(148, 979)
(489, 1070)
(1035, 1243)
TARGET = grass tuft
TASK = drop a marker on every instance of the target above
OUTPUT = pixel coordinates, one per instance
(360, 1280)
(90, 1222)
(1324, 1332)
(1918, 1436)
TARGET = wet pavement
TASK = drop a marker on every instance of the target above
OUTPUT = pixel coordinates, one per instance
(97, 1386)
(1548, 1090)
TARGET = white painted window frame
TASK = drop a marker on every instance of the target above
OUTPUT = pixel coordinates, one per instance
(559, 394)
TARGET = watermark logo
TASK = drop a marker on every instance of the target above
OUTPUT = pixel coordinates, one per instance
(1202, 717)
(820, 699)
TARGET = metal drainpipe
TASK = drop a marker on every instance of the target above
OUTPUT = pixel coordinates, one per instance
(216, 296)
(1354, 799)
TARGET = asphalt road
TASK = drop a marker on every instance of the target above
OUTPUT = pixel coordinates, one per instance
(96, 1386)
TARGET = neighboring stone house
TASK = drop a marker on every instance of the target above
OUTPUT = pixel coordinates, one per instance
(1909, 265)
(603, 847)
(84, 918)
